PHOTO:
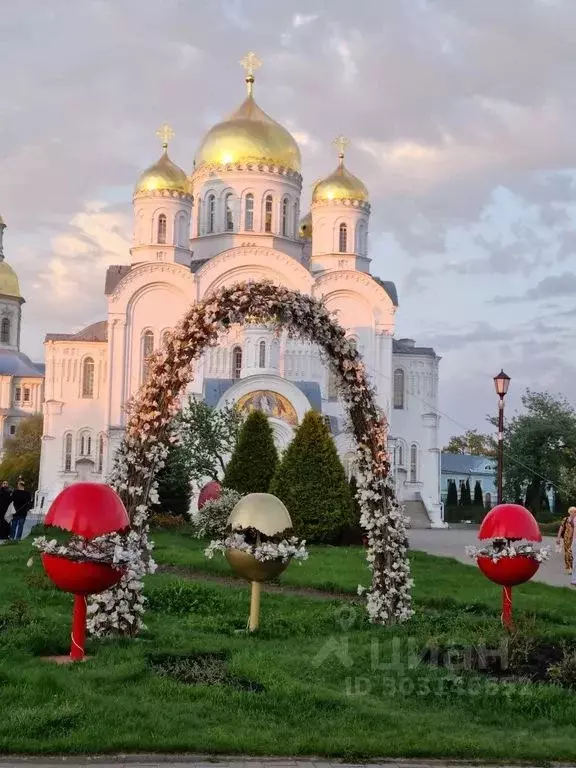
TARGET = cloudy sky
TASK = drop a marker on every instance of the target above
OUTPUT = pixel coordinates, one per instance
(462, 115)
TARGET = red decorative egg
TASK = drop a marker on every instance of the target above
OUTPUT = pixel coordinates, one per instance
(509, 571)
(81, 578)
(510, 521)
(88, 510)
(210, 492)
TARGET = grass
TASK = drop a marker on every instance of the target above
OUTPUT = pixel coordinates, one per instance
(317, 679)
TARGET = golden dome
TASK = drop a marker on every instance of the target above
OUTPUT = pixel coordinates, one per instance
(340, 185)
(163, 175)
(249, 135)
(305, 228)
(9, 285)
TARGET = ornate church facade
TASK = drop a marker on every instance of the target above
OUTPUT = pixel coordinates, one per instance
(235, 218)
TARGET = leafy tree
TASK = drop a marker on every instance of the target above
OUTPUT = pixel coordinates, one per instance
(478, 495)
(174, 483)
(465, 495)
(540, 451)
(472, 442)
(22, 453)
(208, 437)
(312, 483)
(452, 494)
(254, 461)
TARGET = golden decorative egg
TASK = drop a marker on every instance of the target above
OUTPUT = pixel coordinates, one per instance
(163, 175)
(340, 185)
(9, 285)
(261, 511)
(249, 136)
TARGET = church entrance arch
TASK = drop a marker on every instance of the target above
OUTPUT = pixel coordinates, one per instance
(148, 435)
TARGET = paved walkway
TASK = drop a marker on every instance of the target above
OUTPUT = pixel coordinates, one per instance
(452, 542)
(187, 761)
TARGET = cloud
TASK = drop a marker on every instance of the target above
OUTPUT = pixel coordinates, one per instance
(553, 286)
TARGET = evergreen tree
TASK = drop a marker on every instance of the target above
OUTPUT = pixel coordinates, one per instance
(254, 461)
(465, 495)
(312, 483)
(452, 494)
(174, 483)
(478, 495)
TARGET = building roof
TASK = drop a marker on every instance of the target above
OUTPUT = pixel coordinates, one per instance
(467, 464)
(13, 363)
(96, 332)
(408, 347)
(389, 287)
(114, 274)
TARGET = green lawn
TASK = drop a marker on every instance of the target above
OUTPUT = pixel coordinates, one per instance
(324, 677)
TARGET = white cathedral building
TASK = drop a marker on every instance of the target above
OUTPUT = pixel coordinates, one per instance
(235, 218)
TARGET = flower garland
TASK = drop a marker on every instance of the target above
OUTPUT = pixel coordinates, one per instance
(148, 433)
(108, 549)
(285, 550)
(500, 548)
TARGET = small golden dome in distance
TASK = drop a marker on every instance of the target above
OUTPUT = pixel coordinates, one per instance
(9, 285)
(261, 511)
(340, 185)
(305, 228)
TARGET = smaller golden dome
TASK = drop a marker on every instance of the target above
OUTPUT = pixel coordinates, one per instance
(163, 175)
(341, 184)
(305, 229)
(9, 285)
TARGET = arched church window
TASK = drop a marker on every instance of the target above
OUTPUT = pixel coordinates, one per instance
(262, 354)
(85, 443)
(268, 214)
(236, 362)
(249, 213)
(161, 229)
(68, 452)
(399, 455)
(413, 463)
(398, 394)
(199, 218)
(88, 377)
(211, 213)
(285, 217)
(5, 330)
(147, 350)
(343, 238)
(165, 338)
(100, 463)
(229, 213)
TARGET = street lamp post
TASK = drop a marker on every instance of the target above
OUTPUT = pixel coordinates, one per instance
(501, 383)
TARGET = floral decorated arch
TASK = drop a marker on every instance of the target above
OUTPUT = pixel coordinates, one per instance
(148, 436)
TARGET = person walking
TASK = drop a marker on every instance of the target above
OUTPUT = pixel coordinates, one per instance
(565, 539)
(22, 501)
(5, 501)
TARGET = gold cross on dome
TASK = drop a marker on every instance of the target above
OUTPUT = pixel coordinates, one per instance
(165, 133)
(341, 143)
(251, 63)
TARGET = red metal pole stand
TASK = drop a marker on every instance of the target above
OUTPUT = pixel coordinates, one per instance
(78, 628)
(507, 608)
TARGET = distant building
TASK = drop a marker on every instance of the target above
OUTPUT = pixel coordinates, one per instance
(21, 380)
(461, 467)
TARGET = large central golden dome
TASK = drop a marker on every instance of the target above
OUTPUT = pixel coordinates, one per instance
(249, 136)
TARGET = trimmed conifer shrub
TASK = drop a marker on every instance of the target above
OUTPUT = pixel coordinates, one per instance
(465, 495)
(254, 460)
(478, 495)
(452, 494)
(174, 484)
(312, 483)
